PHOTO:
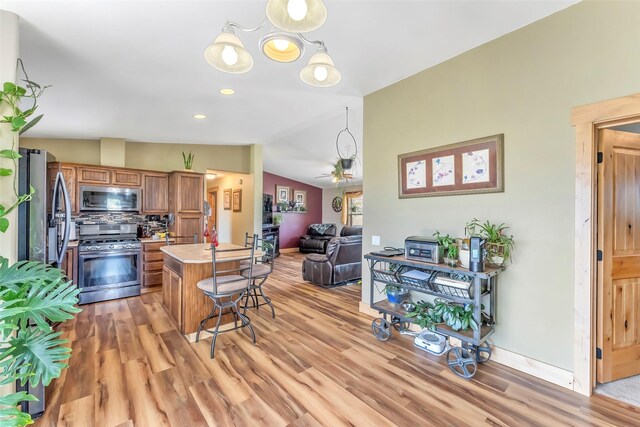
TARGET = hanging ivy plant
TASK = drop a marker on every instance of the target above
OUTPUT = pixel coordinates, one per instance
(13, 97)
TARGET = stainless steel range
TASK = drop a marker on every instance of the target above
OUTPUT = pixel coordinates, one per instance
(108, 262)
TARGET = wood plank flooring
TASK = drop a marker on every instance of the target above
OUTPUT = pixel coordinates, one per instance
(316, 364)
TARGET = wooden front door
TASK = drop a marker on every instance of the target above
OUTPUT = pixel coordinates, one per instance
(212, 198)
(618, 300)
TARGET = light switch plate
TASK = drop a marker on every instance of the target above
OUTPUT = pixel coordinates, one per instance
(375, 240)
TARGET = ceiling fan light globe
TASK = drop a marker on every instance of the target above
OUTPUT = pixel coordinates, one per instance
(227, 54)
(296, 16)
(310, 73)
(297, 9)
(281, 47)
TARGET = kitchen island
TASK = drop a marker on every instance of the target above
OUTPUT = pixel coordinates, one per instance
(184, 266)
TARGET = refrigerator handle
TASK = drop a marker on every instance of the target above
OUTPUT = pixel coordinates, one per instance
(52, 227)
(67, 217)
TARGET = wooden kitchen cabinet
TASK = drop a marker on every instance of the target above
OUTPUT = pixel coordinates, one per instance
(127, 178)
(70, 264)
(172, 294)
(70, 179)
(88, 175)
(188, 190)
(155, 193)
(186, 201)
(151, 265)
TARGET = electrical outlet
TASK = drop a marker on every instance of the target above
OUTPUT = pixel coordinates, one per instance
(375, 240)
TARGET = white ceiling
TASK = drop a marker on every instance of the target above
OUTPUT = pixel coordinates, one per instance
(135, 69)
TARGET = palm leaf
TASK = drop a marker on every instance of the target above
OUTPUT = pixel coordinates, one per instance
(12, 416)
(11, 277)
(35, 351)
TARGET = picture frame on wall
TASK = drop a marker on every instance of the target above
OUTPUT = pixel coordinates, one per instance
(227, 199)
(237, 200)
(283, 193)
(300, 197)
(469, 167)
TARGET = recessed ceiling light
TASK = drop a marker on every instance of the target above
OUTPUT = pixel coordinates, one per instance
(199, 116)
(227, 91)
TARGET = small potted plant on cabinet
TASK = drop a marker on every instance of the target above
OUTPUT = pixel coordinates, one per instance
(498, 245)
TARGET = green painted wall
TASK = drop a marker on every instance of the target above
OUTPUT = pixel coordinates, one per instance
(67, 150)
(146, 155)
(523, 85)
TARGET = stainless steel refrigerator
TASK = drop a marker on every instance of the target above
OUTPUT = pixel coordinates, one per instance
(44, 223)
(44, 226)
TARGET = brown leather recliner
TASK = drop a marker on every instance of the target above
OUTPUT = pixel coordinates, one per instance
(341, 263)
(317, 238)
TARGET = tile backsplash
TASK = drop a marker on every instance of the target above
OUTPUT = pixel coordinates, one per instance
(151, 223)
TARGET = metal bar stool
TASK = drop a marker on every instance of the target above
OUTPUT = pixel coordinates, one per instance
(260, 273)
(226, 288)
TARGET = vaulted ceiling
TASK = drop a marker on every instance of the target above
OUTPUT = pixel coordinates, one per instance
(135, 69)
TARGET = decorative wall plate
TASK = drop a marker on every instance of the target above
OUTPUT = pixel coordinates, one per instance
(336, 204)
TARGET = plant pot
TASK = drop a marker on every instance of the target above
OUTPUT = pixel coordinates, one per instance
(395, 297)
(451, 262)
(464, 258)
(346, 163)
(495, 261)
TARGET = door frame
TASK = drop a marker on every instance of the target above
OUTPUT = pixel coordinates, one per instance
(587, 120)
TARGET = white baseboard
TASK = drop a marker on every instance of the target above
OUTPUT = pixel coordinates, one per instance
(536, 368)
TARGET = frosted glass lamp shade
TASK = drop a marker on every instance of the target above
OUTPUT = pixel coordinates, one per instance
(320, 71)
(281, 47)
(296, 16)
(227, 54)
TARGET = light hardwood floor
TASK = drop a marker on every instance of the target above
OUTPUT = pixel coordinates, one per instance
(317, 363)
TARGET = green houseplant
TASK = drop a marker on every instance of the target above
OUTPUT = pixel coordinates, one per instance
(449, 249)
(498, 245)
(31, 293)
(187, 159)
(425, 316)
(277, 218)
(456, 316)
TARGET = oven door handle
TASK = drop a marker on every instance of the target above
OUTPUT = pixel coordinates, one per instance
(105, 254)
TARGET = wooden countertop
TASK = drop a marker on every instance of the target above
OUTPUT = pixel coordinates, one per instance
(150, 240)
(200, 253)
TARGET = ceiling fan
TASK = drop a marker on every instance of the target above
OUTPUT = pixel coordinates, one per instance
(338, 174)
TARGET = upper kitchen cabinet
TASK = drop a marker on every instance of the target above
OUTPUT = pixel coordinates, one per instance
(155, 193)
(128, 178)
(89, 175)
(69, 173)
(187, 192)
(109, 176)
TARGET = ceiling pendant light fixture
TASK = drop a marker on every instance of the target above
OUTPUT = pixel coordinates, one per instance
(297, 16)
(320, 71)
(284, 44)
(227, 53)
(281, 47)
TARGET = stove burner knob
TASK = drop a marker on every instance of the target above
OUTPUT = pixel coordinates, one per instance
(128, 246)
(112, 246)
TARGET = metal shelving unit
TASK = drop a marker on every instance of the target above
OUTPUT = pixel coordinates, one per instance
(464, 360)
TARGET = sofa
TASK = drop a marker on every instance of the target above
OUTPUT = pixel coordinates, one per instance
(317, 238)
(341, 263)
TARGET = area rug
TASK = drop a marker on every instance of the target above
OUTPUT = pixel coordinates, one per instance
(626, 390)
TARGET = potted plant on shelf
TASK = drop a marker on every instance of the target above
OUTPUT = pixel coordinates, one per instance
(187, 159)
(425, 316)
(448, 248)
(277, 218)
(395, 293)
(455, 315)
(498, 245)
